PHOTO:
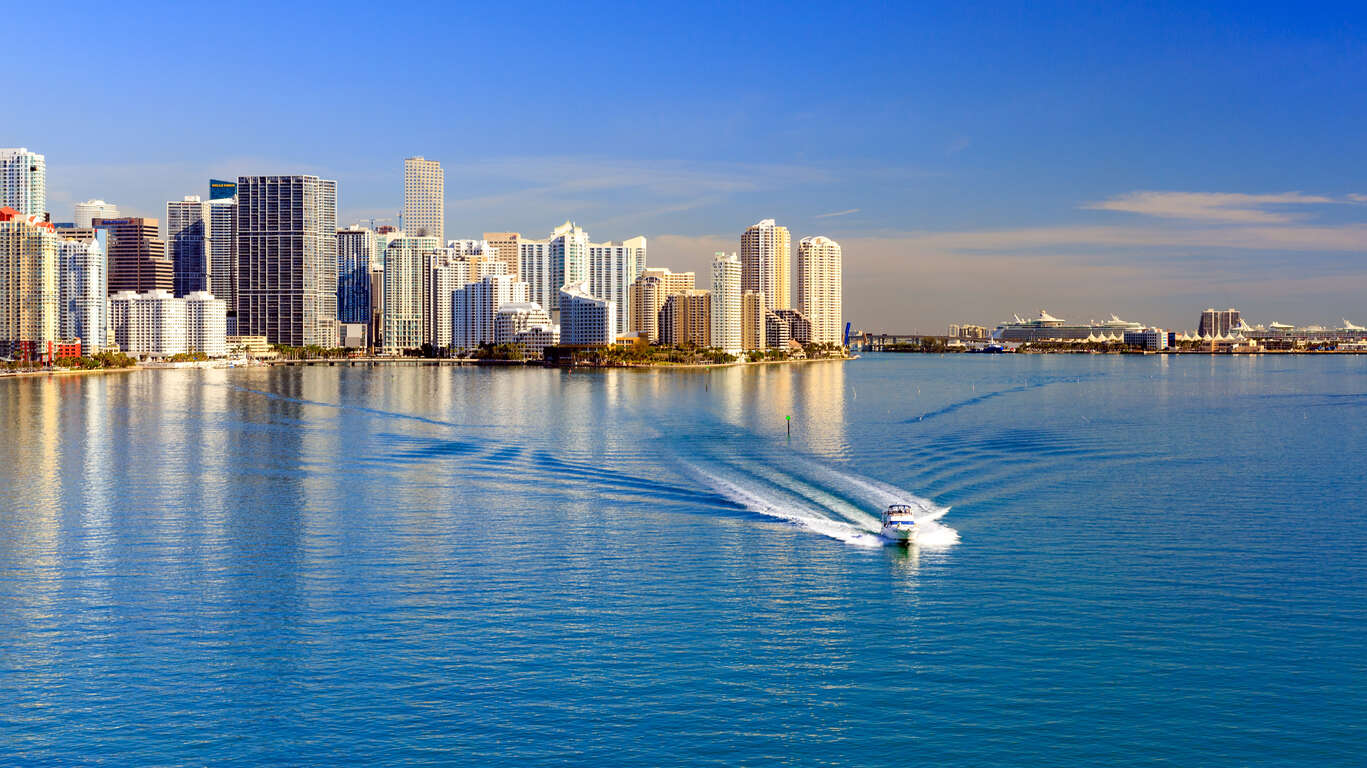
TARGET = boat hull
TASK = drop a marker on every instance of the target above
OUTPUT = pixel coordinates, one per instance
(900, 536)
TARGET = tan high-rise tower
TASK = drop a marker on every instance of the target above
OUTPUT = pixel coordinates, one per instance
(424, 198)
(765, 254)
(819, 287)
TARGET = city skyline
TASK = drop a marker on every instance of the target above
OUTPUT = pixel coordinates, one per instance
(1163, 159)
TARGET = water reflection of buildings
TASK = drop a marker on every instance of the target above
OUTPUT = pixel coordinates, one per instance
(761, 397)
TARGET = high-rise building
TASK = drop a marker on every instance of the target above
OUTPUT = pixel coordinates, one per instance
(726, 303)
(23, 182)
(647, 297)
(223, 245)
(819, 287)
(686, 319)
(752, 311)
(504, 247)
(287, 259)
(585, 319)
(406, 273)
(474, 309)
(612, 268)
(83, 289)
(137, 255)
(355, 255)
(29, 294)
(187, 244)
(547, 265)
(453, 268)
(85, 213)
(765, 250)
(1219, 322)
(424, 199)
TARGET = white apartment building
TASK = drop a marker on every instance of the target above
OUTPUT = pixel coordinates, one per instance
(453, 268)
(585, 319)
(150, 324)
(83, 286)
(405, 286)
(424, 198)
(23, 181)
(528, 326)
(613, 267)
(86, 212)
(206, 324)
(474, 309)
(547, 265)
(765, 250)
(819, 288)
(726, 303)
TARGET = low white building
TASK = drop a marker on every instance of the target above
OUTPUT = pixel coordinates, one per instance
(528, 326)
(585, 319)
(206, 324)
(148, 324)
(156, 324)
(475, 307)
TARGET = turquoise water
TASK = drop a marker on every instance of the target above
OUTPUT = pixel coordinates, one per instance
(1158, 561)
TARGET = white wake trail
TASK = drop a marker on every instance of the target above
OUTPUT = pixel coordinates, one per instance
(814, 520)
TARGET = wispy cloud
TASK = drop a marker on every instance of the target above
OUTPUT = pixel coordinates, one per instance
(1230, 207)
(836, 213)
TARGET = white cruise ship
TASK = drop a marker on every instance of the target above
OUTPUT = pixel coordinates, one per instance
(1046, 327)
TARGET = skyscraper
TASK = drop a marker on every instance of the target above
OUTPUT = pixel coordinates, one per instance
(585, 319)
(726, 304)
(612, 268)
(765, 250)
(647, 296)
(287, 259)
(424, 199)
(752, 335)
(406, 268)
(29, 293)
(83, 288)
(475, 307)
(355, 254)
(686, 319)
(187, 244)
(137, 255)
(819, 287)
(223, 247)
(504, 246)
(547, 265)
(85, 213)
(23, 181)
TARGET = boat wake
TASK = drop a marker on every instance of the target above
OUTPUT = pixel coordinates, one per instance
(823, 500)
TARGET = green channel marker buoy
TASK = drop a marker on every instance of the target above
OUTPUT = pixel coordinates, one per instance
(790, 425)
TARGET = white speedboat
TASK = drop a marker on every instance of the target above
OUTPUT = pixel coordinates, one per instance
(899, 524)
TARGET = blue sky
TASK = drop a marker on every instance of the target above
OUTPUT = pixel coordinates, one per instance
(974, 159)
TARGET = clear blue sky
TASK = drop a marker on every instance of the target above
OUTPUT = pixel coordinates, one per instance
(984, 158)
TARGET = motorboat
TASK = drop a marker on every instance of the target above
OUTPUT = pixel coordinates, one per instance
(899, 524)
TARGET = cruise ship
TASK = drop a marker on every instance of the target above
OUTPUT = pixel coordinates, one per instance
(1046, 327)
